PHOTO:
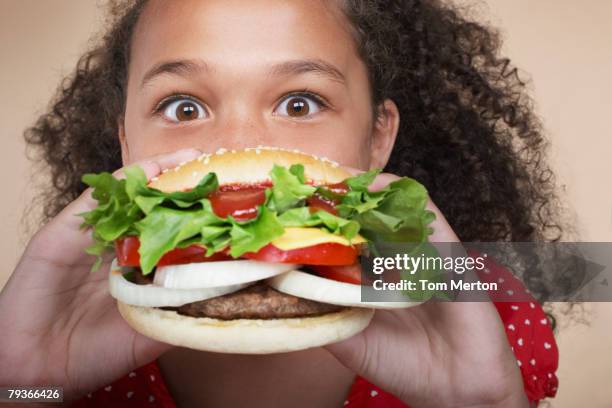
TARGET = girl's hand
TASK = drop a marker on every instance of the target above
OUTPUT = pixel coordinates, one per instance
(59, 325)
(439, 354)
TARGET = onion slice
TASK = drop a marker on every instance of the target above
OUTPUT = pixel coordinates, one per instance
(216, 274)
(156, 296)
(308, 286)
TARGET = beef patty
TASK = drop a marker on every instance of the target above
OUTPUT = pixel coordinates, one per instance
(258, 301)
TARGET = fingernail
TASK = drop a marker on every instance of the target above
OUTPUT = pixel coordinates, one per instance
(191, 151)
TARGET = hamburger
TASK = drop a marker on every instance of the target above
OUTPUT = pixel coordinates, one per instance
(254, 251)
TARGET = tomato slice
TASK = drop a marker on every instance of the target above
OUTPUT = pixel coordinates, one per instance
(330, 253)
(126, 250)
(239, 203)
(191, 254)
(342, 273)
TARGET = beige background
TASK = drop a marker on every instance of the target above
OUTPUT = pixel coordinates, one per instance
(563, 45)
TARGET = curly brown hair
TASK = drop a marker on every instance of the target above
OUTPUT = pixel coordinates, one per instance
(468, 131)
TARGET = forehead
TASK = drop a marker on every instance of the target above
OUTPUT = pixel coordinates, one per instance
(242, 33)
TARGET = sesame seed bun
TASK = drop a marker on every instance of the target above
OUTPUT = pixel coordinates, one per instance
(247, 166)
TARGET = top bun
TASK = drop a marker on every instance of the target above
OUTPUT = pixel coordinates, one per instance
(247, 166)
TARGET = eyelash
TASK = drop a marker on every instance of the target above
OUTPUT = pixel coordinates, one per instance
(161, 106)
(306, 93)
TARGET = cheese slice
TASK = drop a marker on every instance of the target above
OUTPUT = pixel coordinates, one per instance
(294, 238)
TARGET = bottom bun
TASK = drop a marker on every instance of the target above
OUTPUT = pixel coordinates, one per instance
(245, 336)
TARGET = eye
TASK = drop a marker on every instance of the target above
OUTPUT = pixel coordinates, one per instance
(182, 109)
(299, 106)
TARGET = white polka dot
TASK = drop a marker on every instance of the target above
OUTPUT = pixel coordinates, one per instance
(527, 322)
(151, 398)
(510, 292)
(549, 375)
(511, 327)
(519, 363)
(532, 362)
(108, 388)
(520, 341)
(544, 321)
(152, 377)
(532, 305)
(373, 393)
(501, 280)
(130, 394)
(535, 377)
(514, 307)
(547, 345)
(345, 403)
(487, 270)
(132, 374)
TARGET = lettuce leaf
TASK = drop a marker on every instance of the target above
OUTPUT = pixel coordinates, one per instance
(302, 217)
(396, 213)
(163, 229)
(362, 181)
(289, 188)
(251, 236)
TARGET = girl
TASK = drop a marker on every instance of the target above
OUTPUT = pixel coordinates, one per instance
(412, 86)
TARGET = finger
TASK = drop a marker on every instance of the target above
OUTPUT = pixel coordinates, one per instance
(154, 165)
(351, 352)
(353, 170)
(442, 231)
(382, 181)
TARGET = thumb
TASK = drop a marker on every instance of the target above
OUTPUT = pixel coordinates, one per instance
(351, 353)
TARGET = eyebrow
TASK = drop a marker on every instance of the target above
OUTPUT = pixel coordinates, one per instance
(317, 66)
(186, 67)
